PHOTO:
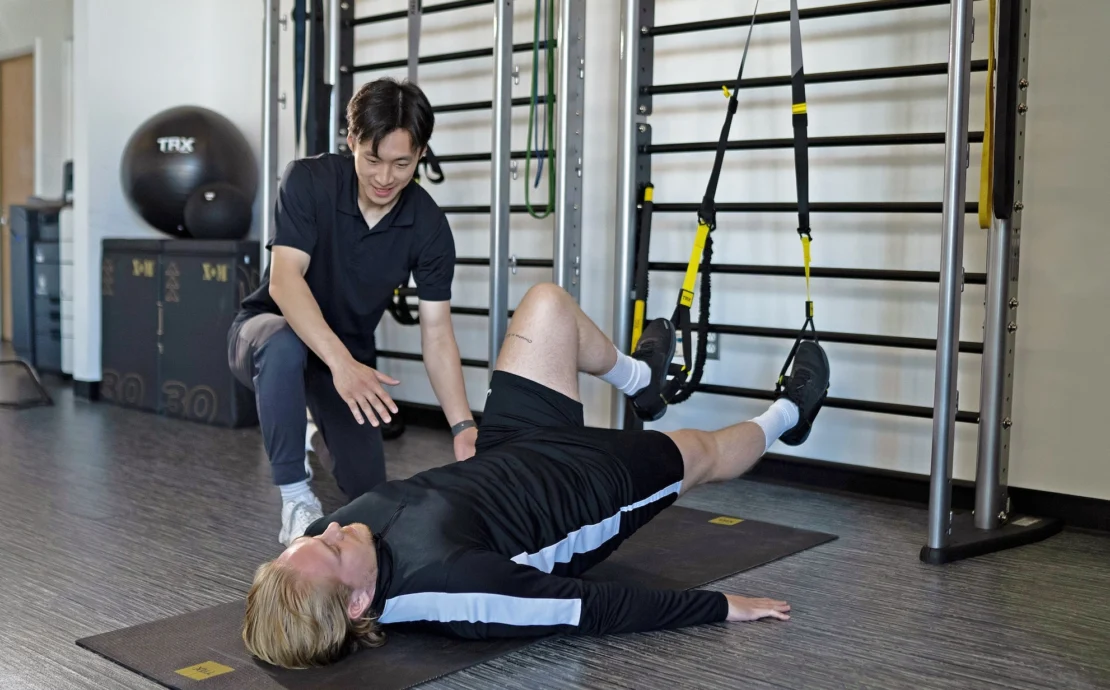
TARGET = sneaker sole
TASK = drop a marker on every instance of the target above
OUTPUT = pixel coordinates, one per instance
(808, 423)
(670, 358)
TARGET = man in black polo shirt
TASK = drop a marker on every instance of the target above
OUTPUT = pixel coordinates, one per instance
(348, 230)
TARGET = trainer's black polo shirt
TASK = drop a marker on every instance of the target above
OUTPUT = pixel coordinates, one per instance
(354, 268)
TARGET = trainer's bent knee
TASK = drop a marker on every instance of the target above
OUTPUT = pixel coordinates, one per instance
(283, 350)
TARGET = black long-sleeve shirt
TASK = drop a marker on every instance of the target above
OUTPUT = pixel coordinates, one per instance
(480, 548)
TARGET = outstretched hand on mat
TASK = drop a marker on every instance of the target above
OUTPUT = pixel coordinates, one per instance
(741, 609)
(361, 388)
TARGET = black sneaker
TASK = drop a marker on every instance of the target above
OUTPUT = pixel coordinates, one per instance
(807, 386)
(656, 347)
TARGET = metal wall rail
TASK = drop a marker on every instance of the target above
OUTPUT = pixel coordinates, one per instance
(417, 357)
(482, 156)
(818, 207)
(845, 76)
(893, 275)
(481, 105)
(901, 342)
(854, 140)
(842, 10)
(478, 209)
(428, 9)
(443, 57)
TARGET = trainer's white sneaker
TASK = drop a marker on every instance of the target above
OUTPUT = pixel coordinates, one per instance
(296, 516)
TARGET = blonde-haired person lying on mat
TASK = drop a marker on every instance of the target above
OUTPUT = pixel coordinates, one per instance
(491, 547)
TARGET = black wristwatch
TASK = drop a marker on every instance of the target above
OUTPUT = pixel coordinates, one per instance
(461, 426)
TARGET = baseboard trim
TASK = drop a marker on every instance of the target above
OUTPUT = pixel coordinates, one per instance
(87, 390)
(1077, 512)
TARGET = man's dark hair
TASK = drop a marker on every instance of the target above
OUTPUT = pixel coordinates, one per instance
(384, 105)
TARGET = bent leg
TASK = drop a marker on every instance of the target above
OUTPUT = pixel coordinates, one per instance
(357, 451)
(550, 340)
(268, 357)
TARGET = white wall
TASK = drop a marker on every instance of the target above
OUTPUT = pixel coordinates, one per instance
(1056, 443)
(133, 59)
(42, 27)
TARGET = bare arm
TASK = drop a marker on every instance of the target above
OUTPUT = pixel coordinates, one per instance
(444, 367)
(359, 385)
(292, 295)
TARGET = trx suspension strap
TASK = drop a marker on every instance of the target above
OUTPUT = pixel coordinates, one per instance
(643, 244)
(686, 378)
(801, 172)
(430, 161)
(986, 170)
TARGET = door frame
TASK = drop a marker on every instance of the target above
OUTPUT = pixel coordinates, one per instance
(32, 50)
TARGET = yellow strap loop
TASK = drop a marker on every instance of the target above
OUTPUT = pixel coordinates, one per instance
(805, 255)
(724, 87)
(986, 170)
(687, 296)
(637, 323)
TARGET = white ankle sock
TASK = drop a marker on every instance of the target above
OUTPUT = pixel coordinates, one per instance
(628, 375)
(297, 492)
(777, 420)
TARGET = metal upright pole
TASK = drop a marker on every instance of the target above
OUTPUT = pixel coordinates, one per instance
(271, 49)
(571, 41)
(945, 397)
(997, 382)
(334, 39)
(628, 119)
(499, 177)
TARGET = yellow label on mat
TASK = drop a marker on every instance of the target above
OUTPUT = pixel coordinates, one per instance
(726, 520)
(208, 669)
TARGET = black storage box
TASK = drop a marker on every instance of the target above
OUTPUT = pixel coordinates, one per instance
(167, 308)
(130, 280)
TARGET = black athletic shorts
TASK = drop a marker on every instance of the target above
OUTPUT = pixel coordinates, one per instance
(613, 477)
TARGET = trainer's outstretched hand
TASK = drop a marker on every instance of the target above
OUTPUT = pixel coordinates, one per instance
(361, 388)
(745, 609)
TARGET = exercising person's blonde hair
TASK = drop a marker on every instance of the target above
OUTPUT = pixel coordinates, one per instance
(295, 623)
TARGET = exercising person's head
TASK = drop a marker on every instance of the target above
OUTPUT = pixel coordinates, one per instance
(389, 124)
(311, 605)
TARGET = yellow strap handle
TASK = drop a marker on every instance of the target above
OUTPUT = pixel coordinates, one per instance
(986, 170)
(686, 297)
(639, 307)
(805, 255)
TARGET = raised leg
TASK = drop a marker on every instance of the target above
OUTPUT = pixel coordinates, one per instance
(715, 456)
(550, 340)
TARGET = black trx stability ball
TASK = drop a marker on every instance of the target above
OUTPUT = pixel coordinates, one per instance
(218, 211)
(173, 154)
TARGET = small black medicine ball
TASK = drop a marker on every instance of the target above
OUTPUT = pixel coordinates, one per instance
(218, 211)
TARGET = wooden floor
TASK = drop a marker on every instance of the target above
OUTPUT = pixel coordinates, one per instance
(112, 518)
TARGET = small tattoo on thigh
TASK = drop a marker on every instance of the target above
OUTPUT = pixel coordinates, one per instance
(517, 335)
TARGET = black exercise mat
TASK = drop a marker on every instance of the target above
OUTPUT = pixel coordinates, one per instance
(680, 549)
